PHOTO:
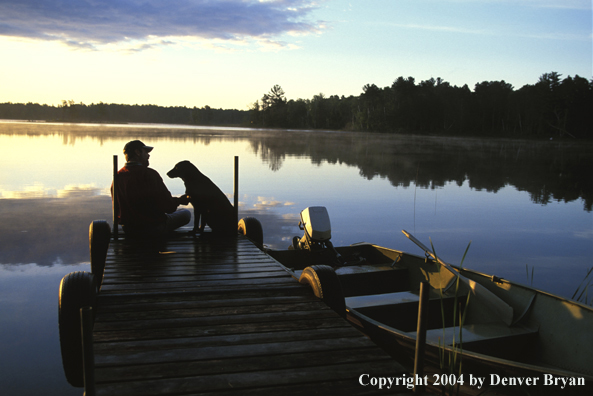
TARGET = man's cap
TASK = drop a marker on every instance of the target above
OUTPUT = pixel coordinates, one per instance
(134, 145)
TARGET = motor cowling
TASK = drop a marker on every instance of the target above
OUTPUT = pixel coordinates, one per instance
(317, 229)
(317, 234)
(315, 222)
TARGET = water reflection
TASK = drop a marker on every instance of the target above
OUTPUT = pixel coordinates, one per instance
(548, 170)
(29, 348)
(54, 231)
(48, 231)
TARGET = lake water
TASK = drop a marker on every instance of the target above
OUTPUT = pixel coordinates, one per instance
(525, 206)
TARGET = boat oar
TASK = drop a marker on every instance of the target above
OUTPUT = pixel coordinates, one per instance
(485, 296)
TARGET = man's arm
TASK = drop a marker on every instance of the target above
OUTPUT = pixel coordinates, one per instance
(164, 199)
(182, 200)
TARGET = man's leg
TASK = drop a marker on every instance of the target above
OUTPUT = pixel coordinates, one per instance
(177, 219)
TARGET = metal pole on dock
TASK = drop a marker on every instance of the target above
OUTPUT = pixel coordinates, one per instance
(236, 189)
(421, 336)
(88, 355)
(115, 204)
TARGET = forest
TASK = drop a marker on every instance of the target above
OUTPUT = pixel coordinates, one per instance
(69, 111)
(551, 108)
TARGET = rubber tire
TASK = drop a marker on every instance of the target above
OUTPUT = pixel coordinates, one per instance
(252, 229)
(99, 237)
(77, 290)
(326, 285)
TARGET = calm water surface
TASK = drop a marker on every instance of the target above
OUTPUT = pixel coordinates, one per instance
(525, 207)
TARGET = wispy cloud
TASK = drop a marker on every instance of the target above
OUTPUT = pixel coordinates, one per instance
(563, 4)
(38, 190)
(499, 33)
(92, 24)
(447, 29)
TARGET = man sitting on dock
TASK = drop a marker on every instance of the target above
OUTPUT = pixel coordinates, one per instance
(146, 207)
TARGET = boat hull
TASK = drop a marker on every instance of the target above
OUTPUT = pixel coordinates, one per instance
(549, 339)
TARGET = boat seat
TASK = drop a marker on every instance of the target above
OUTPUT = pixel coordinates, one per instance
(400, 309)
(360, 281)
(376, 300)
(492, 339)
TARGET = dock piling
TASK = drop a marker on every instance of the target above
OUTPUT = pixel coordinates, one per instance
(421, 334)
(115, 204)
(88, 355)
(236, 189)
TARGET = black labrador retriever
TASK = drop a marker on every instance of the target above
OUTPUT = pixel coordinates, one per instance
(208, 200)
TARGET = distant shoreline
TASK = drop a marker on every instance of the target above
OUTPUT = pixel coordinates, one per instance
(189, 127)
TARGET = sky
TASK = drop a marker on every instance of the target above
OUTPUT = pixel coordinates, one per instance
(229, 53)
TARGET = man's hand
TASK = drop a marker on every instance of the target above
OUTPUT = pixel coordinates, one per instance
(183, 200)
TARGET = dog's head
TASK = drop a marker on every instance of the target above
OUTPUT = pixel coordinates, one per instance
(183, 170)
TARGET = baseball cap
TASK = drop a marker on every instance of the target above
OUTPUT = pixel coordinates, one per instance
(130, 147)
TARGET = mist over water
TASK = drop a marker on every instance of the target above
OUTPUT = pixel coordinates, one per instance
(525, 205)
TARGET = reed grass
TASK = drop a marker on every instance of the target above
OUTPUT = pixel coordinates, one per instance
(455, 361)
(581, 294)
(532, 273)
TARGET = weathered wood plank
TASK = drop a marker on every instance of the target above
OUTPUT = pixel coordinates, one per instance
(229, 351)
(238, 381)
(243, 364)
(129, 257)
(294, 290)
(318, 334)
(322, 321)
(186, 267)
(158, 304)
(212, 320)
(197, 291)
(209, 311)
(324, 388)
(191, 277)
(119, 287)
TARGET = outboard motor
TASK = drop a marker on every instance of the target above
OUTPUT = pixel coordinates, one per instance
(315, 222)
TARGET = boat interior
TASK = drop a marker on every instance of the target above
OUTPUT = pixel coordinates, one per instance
(383, 285)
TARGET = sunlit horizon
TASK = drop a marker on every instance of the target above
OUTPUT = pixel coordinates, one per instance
(227, 55)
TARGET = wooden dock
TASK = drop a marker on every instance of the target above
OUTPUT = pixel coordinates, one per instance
(197, 316)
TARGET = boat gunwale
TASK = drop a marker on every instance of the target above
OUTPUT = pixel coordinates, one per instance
(498, 280)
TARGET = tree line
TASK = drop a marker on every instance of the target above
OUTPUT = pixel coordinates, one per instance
(69, 111)
(552, 107)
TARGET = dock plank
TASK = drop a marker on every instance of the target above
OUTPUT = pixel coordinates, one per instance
(348, 372)
(199, 315)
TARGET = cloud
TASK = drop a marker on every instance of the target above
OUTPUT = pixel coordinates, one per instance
(566, 4)
(38, 190)
(268, 203)
(486, 32)
(562, 4)
(446, 29)
(91, 24)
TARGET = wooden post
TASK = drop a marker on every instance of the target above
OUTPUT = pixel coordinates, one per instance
(236, 189)
(88, 355)
(115, 203)
(421, 336)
